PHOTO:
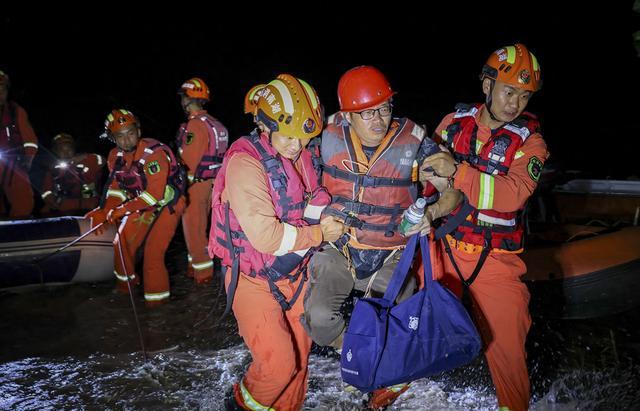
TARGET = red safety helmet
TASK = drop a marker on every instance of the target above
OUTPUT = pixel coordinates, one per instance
(363, 87)
(514, 65)
(195, 88)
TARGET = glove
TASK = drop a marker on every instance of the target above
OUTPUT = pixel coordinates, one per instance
(116, 214)
(448, 201)
(98, 216)
(440, 183)
(442, 163)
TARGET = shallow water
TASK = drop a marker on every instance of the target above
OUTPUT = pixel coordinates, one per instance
(76, 347)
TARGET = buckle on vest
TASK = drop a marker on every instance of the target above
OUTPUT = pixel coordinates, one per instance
(357, 207)
(368, 181)
(353, 221)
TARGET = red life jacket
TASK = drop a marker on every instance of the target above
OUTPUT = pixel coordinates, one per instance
(133, 179)
(289, 192)
(218, 140)
(371, 200)
(486, 227)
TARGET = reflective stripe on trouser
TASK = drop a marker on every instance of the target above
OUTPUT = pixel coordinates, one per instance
(279, 346)
(17, 189)
(123, 277)
(250, 402)
(194, 225)
(501, 313)
(134, 229)
(331, 284)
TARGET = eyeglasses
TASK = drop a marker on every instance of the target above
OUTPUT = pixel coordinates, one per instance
(384, 111)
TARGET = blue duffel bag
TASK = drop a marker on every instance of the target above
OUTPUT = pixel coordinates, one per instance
(388, 343)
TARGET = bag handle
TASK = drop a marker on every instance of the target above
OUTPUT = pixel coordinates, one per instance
(401, 270)
(427, 273)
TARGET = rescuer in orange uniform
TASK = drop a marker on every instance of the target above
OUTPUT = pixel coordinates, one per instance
(498, 155)
(265, 223)
(72, 183)
(201, 143)
(18, 147)
(145, 197)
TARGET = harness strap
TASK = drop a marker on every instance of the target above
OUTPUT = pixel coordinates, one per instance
(466, 296)
(366, 180)
(352, 221)
(235, 266)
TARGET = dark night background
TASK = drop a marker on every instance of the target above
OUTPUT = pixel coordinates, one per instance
(69, 72)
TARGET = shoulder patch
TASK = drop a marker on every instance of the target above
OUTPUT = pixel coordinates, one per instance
(189, 138)
(152, 168)
(535, 168)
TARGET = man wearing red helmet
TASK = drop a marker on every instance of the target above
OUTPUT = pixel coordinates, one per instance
(498, 155)
(145, 198)
(201, 143)
(18, 147)
(370, 163)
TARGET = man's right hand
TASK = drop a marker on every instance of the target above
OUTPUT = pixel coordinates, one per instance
(98, 216)
(332, 229)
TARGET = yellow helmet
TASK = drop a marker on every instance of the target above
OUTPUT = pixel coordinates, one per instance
(288, 105)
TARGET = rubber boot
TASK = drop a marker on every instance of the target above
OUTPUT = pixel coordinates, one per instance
(381, 398)
(234, 402)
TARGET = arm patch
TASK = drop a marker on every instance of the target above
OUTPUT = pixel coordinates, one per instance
(152, 168)
(535, 168)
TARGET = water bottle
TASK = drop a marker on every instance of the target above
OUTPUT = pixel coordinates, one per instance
(412, 215)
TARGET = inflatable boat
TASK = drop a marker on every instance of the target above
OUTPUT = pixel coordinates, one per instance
(24, 245)
(587, 263)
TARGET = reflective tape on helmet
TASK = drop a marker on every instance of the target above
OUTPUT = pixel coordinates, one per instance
(511, 54)
(286, 95)
(310, 93)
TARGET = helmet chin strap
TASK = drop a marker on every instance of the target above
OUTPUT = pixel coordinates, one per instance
(488, 102)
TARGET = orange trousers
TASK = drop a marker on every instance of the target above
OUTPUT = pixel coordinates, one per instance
(279, 346)
(501, 314)
(16, 188)
(156, 233)
(194, 225)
